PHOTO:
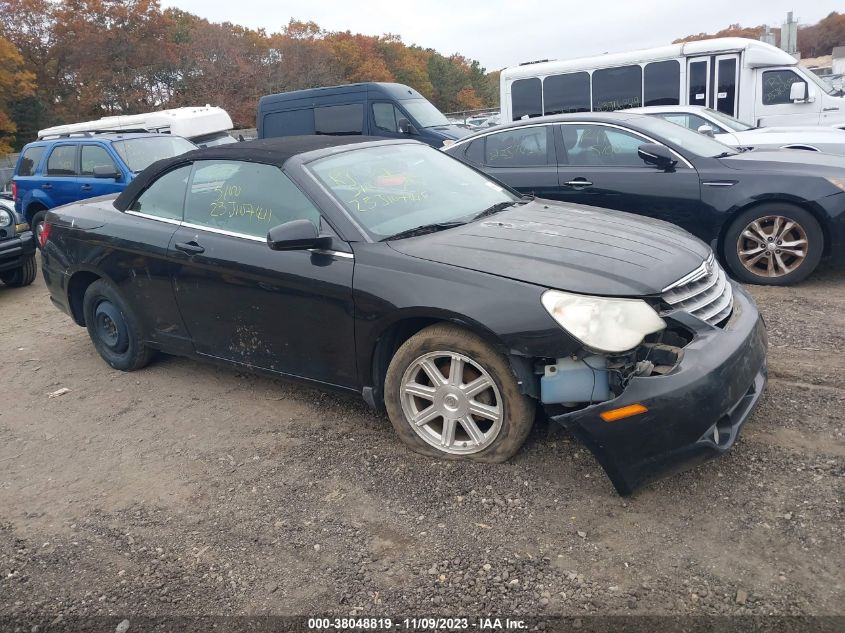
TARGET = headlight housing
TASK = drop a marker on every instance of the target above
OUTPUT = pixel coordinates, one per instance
(603, 324)
(6, 218)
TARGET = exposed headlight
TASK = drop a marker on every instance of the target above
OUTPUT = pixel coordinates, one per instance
(603, 324)
(837, 182)
(5, 218)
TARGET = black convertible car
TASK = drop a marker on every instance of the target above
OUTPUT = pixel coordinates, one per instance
(770, 215)
(389, 269)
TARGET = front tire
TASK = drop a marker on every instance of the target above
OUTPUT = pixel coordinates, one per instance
(773, 244)
(113, 328)
(449, 394)
(22, 276)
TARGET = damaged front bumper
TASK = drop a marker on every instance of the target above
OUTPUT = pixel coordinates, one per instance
(695, 411)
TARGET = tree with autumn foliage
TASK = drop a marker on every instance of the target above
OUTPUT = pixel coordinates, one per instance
(15, 82)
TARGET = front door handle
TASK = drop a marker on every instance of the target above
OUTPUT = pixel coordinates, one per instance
(192, 248)
(579, 183)
(831, 109)
(46, 185)
(86, 187)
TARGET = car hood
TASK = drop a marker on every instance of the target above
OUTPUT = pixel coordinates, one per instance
(568, 247)
(795, 162)
(796, 134)
(452, 132)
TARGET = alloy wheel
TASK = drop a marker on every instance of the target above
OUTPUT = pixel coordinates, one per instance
(772, 246)
(451, 402)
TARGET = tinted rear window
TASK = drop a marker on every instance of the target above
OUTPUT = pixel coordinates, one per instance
(526, 98)
(340, 119)
(566, 93)
(30, 159)
(288, 123)
(617, 88)
(662, 84)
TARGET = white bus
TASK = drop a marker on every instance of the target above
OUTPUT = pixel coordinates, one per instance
(753, 81)
(204, 126)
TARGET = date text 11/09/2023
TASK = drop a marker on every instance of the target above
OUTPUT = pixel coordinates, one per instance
(423, 623)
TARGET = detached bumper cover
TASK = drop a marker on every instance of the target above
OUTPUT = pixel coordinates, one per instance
(16, 250)
(694, 412)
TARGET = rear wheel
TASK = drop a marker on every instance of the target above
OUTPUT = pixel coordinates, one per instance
(113, 328)
(22, 276)
(37, 225)
(449, 394)
(775, 244)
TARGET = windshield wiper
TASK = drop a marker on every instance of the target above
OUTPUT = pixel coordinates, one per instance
(422, 230)
(501, 206)
(725, 154)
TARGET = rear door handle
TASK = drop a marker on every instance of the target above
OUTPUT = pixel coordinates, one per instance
(579, 183)
(47, 186)
(192, 248)
(86, 187)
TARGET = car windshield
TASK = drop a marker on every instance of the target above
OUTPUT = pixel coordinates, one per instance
(389, 189)
(684, 138)
(728, 121)
(821, 83)
(140, 153)
(425, 114)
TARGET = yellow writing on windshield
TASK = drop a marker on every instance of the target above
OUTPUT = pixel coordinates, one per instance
(382, 189)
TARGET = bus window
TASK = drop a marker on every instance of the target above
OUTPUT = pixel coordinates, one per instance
(617, 88)
(526, 98)
(566, 93)
(662, 83)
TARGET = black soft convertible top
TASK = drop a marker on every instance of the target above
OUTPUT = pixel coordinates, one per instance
(270, 151)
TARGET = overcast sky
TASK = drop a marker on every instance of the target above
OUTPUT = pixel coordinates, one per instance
(501, 33)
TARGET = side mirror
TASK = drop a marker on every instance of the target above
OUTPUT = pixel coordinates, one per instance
(406, 127)
(106, 171)
(706, 130)
(798, 92)
(296, 235)
(657, 155)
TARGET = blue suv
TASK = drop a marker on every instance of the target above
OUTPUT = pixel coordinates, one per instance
(50, 173)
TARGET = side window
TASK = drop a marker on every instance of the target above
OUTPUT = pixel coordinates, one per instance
(526, 98)
(340, 119)
(289, 123)
(662, 83)
(30, 159)
(776, 86)
(601, 146)
(95, 156)
(522, 147)
(386, 117)
(62, 161)
(165, 197)
(475, 151)
(617, 88)
(566, 93)
(246, 198)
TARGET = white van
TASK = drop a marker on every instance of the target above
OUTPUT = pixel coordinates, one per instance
(204, 126)
(753, 81)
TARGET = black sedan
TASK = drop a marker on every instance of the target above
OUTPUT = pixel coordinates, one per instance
(389, 269)
(770, 215)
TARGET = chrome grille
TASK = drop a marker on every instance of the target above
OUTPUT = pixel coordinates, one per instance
(705, 293)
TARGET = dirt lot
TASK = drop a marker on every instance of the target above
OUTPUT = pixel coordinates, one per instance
(186, 488)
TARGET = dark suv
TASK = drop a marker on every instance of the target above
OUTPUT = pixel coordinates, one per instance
(17, 246)
(53, 172)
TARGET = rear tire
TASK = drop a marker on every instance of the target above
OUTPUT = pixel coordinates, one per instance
(773, 244)
(37, 225)
(478, 414)
(22, 276)
(113, 328)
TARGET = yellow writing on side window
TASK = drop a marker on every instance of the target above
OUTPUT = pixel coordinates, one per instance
(229, 205)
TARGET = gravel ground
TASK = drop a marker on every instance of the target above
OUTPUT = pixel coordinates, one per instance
(190, 489)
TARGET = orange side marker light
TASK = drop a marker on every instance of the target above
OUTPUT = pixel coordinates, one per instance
(622, 412)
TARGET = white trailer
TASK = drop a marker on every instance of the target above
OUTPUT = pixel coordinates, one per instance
(753, 81)
(204, 125)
